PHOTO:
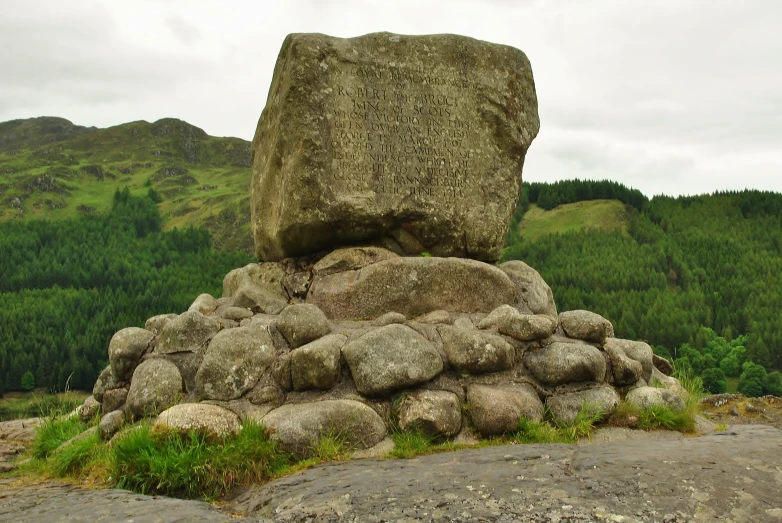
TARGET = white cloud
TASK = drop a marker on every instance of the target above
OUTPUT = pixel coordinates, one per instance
(669, 97)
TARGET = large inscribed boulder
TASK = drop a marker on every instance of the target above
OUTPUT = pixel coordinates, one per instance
(420, 139)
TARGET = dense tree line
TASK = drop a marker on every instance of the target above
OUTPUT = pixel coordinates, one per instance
(689, 262)
(548, 195)
(67, 286)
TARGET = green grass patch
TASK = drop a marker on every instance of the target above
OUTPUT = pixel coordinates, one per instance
(332, 447)
(194, 465)
(53, 432)
(609, 215)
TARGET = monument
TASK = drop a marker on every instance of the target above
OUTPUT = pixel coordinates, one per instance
(414, 140)
(370, 152)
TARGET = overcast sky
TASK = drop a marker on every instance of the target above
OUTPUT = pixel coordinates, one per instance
(670, 96)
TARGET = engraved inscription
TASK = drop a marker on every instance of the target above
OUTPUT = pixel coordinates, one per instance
(398, 131)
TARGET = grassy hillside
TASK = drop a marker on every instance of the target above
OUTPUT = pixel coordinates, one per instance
(608, 215)
(53, 169)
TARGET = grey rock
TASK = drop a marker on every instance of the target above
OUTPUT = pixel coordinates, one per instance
(663, 365)
(351, 258)
(388, 319)
(316, 364)
(586, 325)
(324, 193)
(236, 313)
(302, 323)
(125, 350)
(533, 295)
(105, 381)
(156, 385)
(199, 417)
(188, 332)
(155, 324)
(266, 395)
(645, 397)
(435, 317)
(635, 350)
(391, 358)
(670, 383)
(87, 410)
(523, 327)
(269, 276)
(463, 323)
(626, 371)
(111, 423)
(435, 412)
(234, 362)
(412, 286)
(297, 428)
(259, 299)
(114, 399)
(281, 371)
(204, 303)
(561, 363)
(474, 351)
(565, 407)
(498, 409)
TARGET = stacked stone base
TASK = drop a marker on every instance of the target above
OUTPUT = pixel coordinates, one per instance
(361, 342)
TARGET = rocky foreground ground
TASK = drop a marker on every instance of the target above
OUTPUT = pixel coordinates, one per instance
(621, 475)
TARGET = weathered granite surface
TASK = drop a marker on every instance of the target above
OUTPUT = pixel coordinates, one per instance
(417, 139)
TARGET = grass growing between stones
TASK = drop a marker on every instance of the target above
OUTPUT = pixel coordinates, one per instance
(54, 431)
(195, 465)
(662, 416)
(415, 442)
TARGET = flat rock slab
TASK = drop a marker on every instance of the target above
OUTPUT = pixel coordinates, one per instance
(417, 138)
(733, 476)
(412, 286)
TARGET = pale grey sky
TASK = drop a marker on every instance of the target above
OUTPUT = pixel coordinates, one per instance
(671, 96)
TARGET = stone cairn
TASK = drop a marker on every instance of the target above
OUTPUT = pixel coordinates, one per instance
(385, 172)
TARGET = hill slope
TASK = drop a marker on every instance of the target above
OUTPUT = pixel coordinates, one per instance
(51, 168)
(608, 215)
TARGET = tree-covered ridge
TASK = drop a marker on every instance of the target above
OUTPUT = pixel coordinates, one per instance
(67, 286)
(703, 261)
(53, 169)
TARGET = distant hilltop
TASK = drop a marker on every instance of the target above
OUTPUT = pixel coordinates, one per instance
(52, 168)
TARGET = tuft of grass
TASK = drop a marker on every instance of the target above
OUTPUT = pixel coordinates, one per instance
(194, 465)
(415, 442)
(584, 423)
(54, 431)
(530, 431)
(331, 447)
(662, 416)
(77, 457)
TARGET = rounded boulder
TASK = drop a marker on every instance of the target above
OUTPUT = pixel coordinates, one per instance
(561, 363)
(497, 410)
(125, 350)
(200, 417)
(155, 386)
(391, 358)
(298, 428)
(234, 362)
